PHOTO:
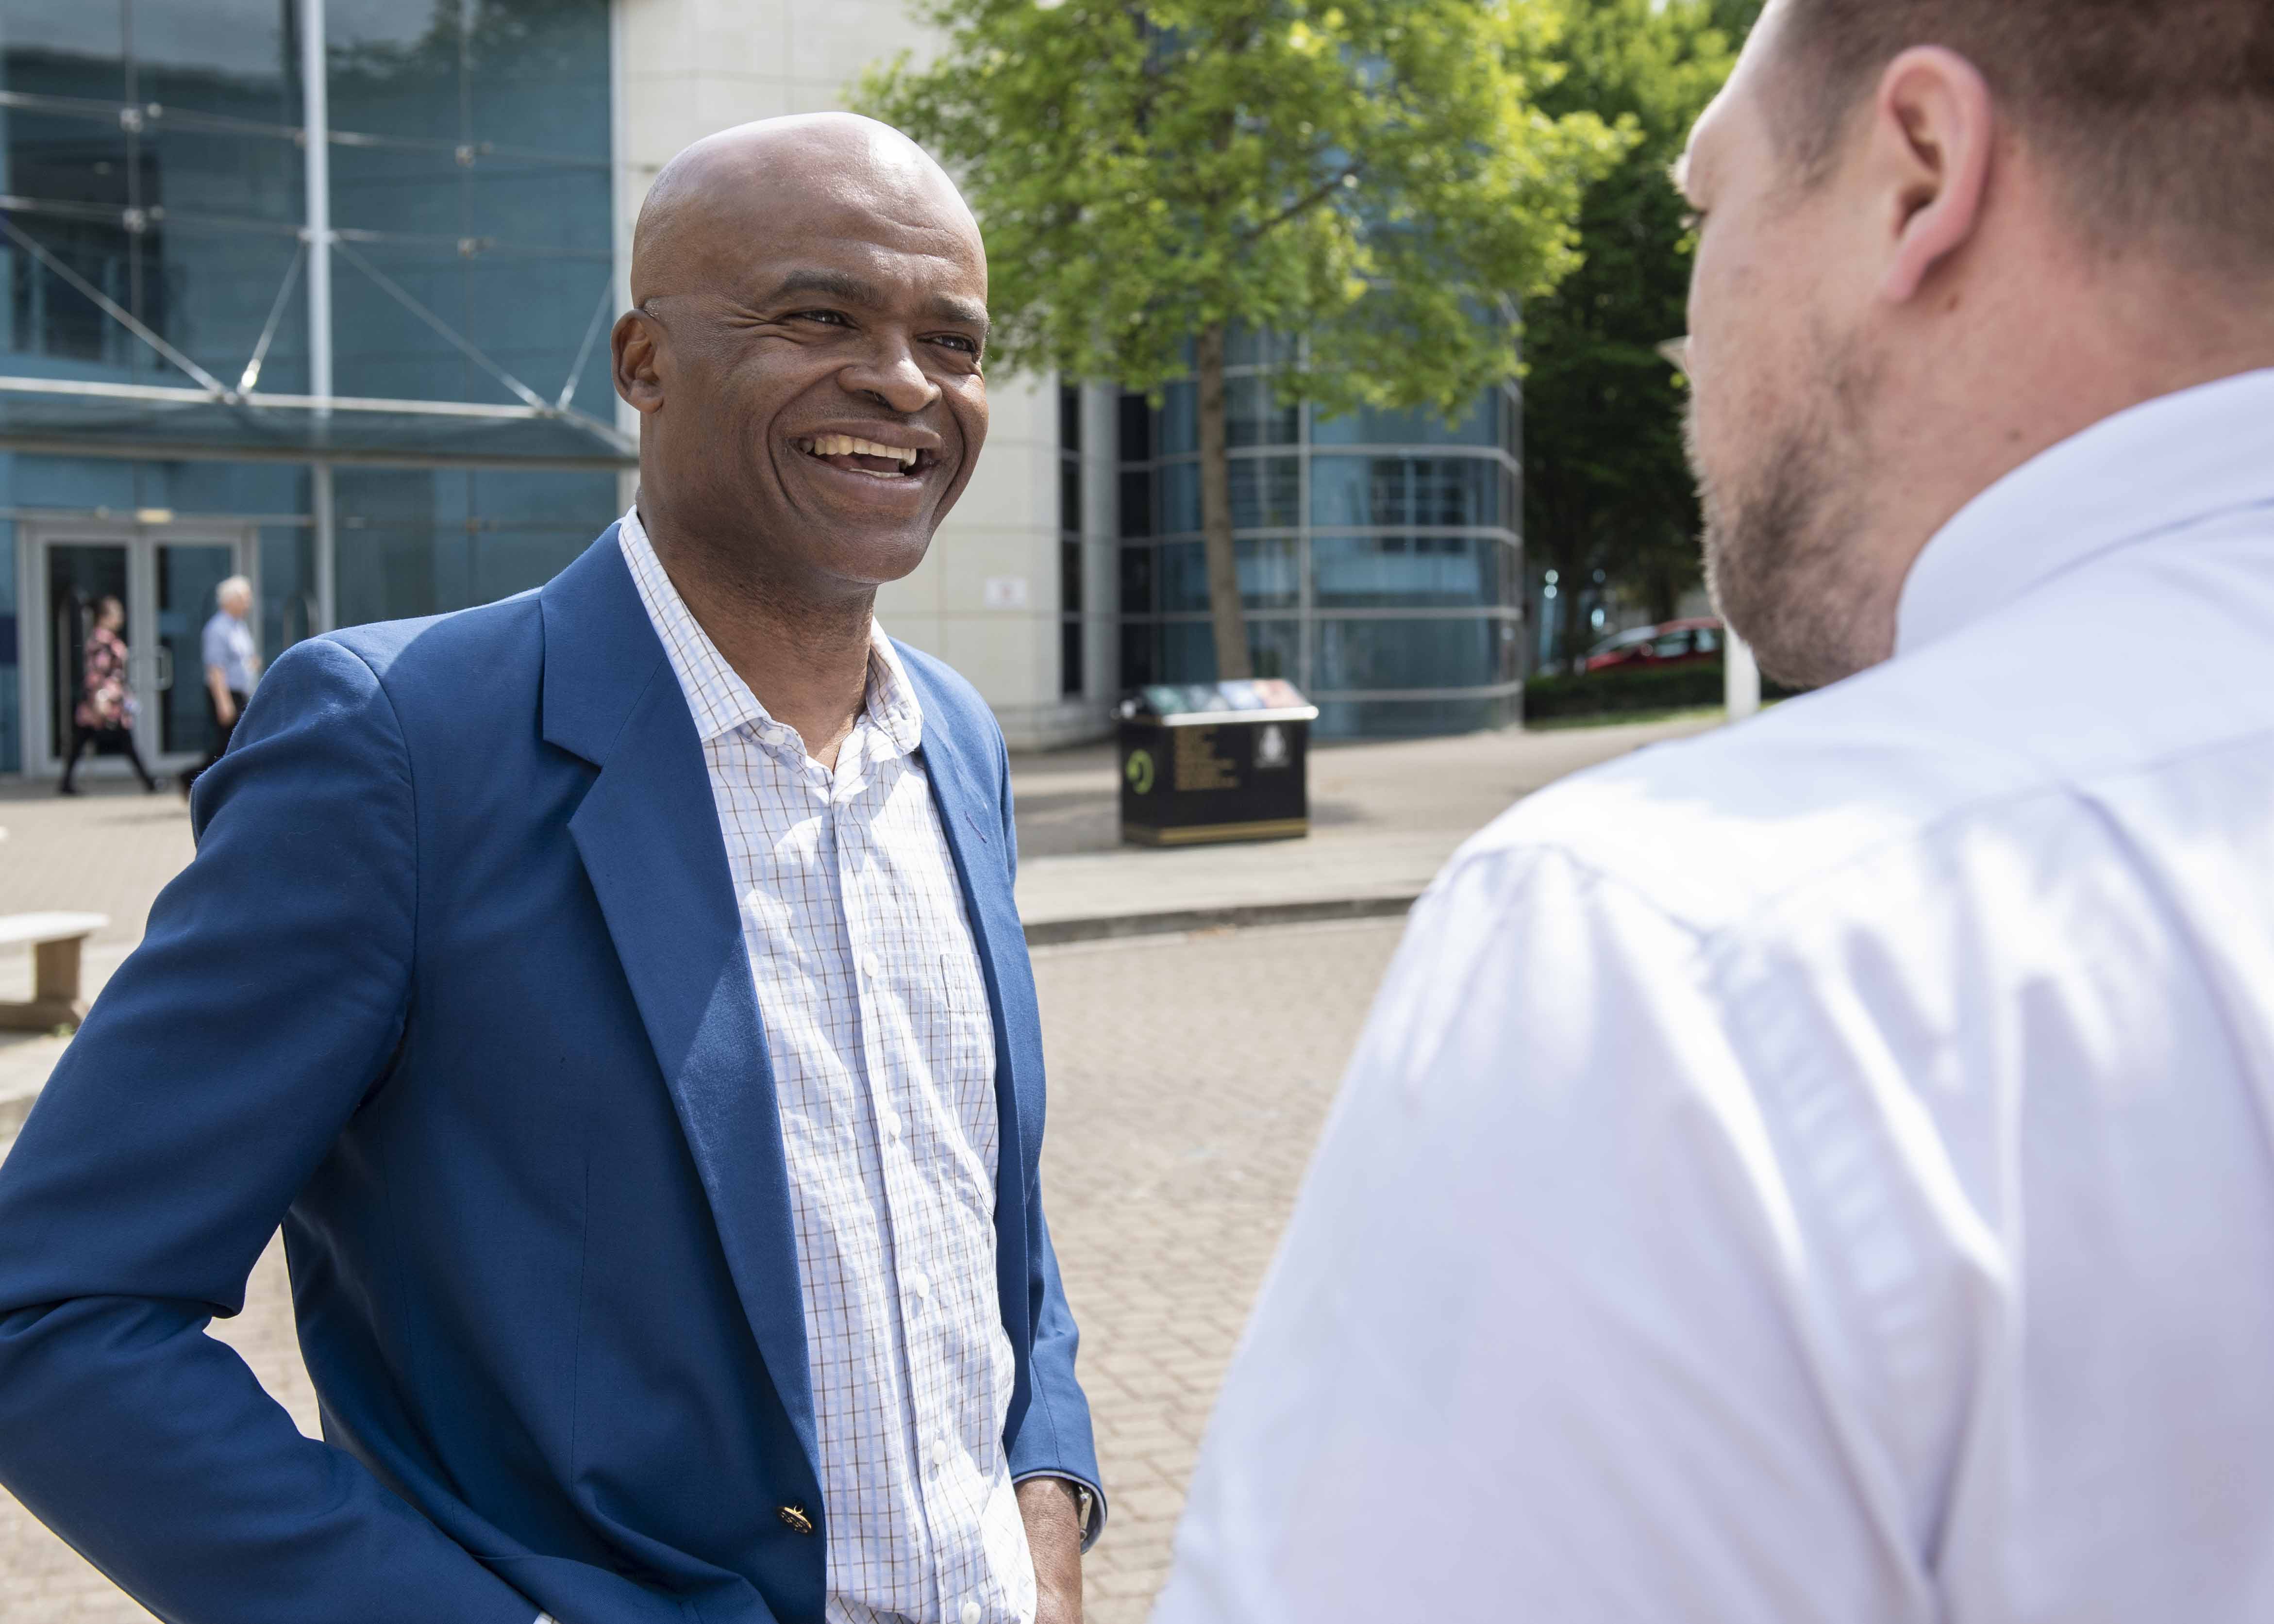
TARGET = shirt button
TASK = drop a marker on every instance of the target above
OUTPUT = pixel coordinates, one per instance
(920, 1284)
(939, 1452)
(890, 1121)
(970, 1613)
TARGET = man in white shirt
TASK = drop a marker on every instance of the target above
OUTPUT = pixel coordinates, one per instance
(1824, 1170)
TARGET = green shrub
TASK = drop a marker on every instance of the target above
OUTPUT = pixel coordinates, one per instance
(1621, 689)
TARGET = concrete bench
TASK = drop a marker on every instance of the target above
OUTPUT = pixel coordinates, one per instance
(55, 940)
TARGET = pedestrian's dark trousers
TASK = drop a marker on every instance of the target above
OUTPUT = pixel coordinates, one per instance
(221, 732)
(105, 742)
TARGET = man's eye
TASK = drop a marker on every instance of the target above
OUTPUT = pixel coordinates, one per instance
(836, 318)
(956, 340)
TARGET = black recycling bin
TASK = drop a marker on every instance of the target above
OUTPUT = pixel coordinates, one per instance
(1202, 763)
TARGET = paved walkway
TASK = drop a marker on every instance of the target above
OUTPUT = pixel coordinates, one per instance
(1188, 1077)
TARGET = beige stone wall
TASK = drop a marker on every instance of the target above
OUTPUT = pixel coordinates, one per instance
(685, 68)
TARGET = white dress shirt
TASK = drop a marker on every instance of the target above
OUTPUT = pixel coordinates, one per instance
(882, 1042)
(1822, 1171)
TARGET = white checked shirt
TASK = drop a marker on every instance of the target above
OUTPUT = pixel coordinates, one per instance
(878, 1025)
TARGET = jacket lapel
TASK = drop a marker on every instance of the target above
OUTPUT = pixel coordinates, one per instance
(971, 817)
(648, 832)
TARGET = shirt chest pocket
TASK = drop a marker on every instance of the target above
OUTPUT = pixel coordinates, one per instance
(959, 1038)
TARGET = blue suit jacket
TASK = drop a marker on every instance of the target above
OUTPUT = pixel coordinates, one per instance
(456, 988)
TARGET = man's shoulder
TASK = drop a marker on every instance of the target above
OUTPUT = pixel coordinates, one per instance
(1715, 829)
(456, 644)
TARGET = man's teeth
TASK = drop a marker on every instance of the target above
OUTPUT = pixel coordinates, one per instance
(849, 444)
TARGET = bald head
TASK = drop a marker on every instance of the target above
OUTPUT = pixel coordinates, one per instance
(810, 171)
(806, 350)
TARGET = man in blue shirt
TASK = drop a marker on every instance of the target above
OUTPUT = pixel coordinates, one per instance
(232, 666)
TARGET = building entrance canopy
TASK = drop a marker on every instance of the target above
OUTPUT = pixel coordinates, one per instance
(69, 417)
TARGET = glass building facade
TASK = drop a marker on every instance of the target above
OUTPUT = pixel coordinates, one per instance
(1380, 554)
(165, 268)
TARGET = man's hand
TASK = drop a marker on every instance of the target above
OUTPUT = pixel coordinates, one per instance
(1052, 1512)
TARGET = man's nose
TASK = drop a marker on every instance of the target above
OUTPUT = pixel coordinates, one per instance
(890, 375)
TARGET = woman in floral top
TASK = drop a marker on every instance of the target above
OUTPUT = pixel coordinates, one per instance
(105, 718)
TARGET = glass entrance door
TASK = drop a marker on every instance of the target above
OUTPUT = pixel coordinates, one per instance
(80, 575)
(168, 583)
(186, 576)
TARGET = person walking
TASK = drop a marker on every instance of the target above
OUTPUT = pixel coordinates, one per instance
(1824, 1170)
(102, 720)
(231, 667)
(618, 994)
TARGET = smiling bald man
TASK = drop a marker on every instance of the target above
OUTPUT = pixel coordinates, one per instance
(617, 995)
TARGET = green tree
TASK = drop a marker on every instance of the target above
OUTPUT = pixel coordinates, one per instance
(1607, 486)
(1372, 178)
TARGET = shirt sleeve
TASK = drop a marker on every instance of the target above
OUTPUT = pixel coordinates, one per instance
(1537, 1343)
(215, 643)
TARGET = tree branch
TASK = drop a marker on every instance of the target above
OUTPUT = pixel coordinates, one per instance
(1301, 205)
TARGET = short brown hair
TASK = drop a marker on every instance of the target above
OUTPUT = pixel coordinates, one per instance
(2160, 112)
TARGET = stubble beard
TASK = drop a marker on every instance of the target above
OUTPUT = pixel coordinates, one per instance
(1785, 543)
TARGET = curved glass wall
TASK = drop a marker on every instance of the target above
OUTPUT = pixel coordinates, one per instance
(1380, 553)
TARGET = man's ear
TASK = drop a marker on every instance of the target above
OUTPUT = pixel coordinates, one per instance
(1933, 129)
(636, 344)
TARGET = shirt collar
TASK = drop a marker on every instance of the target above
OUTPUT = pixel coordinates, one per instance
(2150, 469)
(717, 697)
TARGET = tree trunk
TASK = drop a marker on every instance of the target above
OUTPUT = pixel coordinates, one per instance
(1231, 660)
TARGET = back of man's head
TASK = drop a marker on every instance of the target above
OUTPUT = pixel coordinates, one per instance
(2156, 115)
(1939, 238)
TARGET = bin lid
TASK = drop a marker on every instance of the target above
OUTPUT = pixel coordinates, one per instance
(1265, 699)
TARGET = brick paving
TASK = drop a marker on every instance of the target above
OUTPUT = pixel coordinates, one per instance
(1189, 1076)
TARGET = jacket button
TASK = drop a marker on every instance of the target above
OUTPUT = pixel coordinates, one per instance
(795, 1516)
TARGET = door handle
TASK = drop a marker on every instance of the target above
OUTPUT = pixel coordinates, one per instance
(165, 679)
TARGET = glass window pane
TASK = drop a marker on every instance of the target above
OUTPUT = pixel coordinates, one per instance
(1184, 577)
(1070, 495)
(1137, 580)
(1180, 509)
(1136, 419)
(1355, 655)
(1070, 659)
(221, 178)
(1371, 426)
(1179, 429)
(522, 203)
(217, 286)
(1265, 491)
(1269, 575)
(1270, 572)
(1253, 416)
(1069, 418)
(1188, 649)
(46, 316)
(238, 58)
(394, 72)
(1349, 491)
(1137, 504)
(1069, 577)
(63, 47)
(54, 158)
(1408, 572)
(535, 69)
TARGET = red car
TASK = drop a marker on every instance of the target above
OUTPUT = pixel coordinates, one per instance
(1674, 643)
